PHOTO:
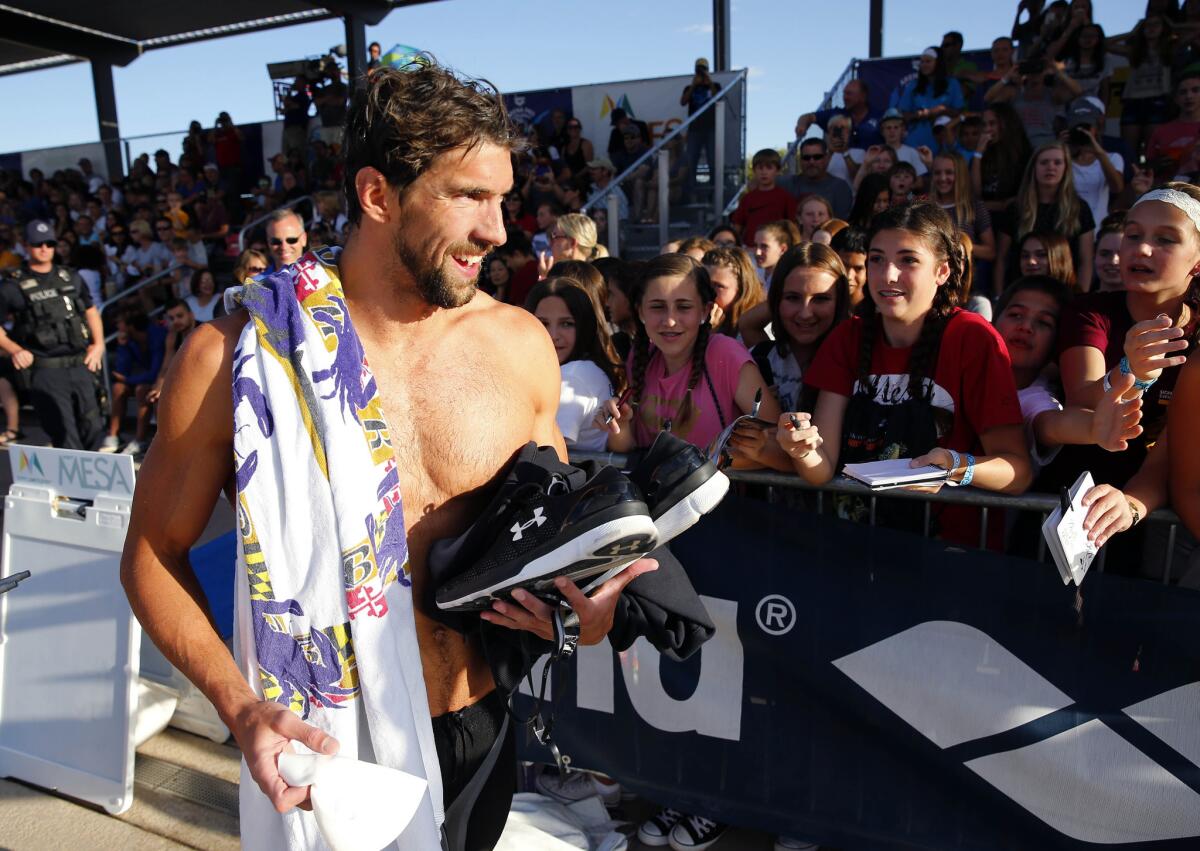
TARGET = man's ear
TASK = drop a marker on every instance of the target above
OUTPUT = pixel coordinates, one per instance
(374, 194)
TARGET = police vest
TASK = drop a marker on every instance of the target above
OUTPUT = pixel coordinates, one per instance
(53, 318)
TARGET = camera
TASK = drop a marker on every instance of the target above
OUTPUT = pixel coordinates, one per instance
(1078, 137)
(1031, 66)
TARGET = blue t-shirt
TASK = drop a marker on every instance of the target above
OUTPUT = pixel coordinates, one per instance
(140, 363)
(862, 135)
(921, 132)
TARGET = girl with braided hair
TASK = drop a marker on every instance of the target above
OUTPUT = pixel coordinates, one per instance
(912, 375)
(681, 372)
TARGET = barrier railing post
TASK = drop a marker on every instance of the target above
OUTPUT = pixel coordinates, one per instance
(717, 166)
(1170, 557)
(614, 225)
(664, 197)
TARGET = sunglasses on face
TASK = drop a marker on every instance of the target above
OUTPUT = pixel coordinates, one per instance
(51, 244)
(291, 240)
(256, 270)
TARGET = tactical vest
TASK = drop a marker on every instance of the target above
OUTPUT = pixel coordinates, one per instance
(53, 317)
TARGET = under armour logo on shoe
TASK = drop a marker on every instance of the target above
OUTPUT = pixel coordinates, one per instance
(518, 529)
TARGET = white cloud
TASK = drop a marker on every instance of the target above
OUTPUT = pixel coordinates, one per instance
(754, 71)
(697, 29)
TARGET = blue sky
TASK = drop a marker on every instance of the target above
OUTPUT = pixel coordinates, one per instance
(795, 50)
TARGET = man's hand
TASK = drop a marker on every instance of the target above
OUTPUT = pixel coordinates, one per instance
(22, 359)
(595, 612)
(264, 730)
(94, 358)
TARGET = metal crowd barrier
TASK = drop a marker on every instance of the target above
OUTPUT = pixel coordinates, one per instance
(987, 501)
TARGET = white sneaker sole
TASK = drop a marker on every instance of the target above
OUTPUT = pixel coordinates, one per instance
(684, 514)
(680, 517)
(594, 551)
(652, 840)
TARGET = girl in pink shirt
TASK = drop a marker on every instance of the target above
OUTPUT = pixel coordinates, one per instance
(697, 396)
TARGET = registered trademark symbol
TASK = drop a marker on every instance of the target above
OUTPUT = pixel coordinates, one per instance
(775, 614)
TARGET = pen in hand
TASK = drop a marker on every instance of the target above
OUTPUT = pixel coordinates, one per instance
(608, 418)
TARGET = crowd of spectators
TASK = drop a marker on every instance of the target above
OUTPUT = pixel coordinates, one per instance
(974, 276)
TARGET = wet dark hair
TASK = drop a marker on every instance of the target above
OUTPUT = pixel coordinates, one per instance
(401, 120)
(929, 223)
(670, 266)
(592, 340)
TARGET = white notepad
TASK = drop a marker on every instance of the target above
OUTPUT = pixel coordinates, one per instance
(896, 473)
(1065, 535)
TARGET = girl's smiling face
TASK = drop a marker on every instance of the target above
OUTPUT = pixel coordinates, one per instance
(808, 304)
(672, 311)
(1029, 325)
(903, 275)
(1160, 249)
(556, 318)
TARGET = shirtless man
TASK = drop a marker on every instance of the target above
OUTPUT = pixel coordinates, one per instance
(466, 382)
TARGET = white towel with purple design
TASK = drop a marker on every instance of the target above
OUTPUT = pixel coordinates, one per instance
(324, 614)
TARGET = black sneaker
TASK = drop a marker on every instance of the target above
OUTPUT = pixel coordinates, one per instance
(548, 520)
(680, 485)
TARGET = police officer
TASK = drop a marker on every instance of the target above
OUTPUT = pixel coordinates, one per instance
(56, 339)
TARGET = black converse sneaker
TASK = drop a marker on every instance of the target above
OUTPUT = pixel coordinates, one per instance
(548, 519)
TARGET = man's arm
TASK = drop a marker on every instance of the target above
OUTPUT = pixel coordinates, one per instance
(182, 477)
(596, 613)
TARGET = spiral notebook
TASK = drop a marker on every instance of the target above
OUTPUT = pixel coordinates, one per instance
(1065, 536)
(894, 473)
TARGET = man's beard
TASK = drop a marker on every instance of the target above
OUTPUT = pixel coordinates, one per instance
(433, 284)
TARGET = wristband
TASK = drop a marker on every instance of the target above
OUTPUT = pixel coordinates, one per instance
(970, 474)
(955, 458)
(1137, 382)
(1133, 511)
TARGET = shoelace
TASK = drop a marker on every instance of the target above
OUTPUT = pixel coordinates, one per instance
(701, 825)
(541, 723)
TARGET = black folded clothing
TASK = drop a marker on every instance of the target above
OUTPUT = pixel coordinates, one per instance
(548, 519)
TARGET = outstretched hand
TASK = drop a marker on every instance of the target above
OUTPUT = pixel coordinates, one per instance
(1149, 344)
(1116, 422)
(596, 612)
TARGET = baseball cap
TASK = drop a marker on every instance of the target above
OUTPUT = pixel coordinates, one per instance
(1085, 110)
(702, 63)
(602, 162)
(39, 231)
(212, 166)
(892, 114)
(942, 121)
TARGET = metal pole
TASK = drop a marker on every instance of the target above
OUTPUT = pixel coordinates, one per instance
(875, 30)
(614, 224)
(664, 196)
(356, 49)
(721, 51)
(106, 117)
(717, 166)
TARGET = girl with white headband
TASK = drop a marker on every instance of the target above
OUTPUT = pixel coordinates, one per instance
(1147, 330)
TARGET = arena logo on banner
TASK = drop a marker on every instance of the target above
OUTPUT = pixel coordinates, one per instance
(918, 674)
(713, 709)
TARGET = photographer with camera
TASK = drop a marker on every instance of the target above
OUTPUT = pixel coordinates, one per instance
(330, 99)
(1098, 173)
(1036, 88)
(226, 141)
(701, 135)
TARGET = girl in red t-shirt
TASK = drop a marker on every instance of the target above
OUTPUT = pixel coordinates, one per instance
(913, 376)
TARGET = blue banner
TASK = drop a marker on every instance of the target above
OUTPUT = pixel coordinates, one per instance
(532, 109)
(869, 688)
